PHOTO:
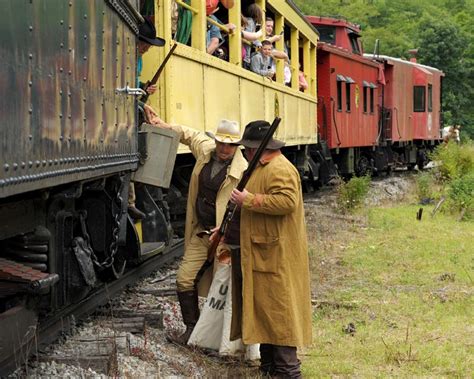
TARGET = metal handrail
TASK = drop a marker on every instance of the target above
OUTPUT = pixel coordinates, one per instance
(187, 6)
(220, 26)
(210, 20)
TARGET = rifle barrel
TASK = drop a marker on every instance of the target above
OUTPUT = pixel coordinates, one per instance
(158, 72)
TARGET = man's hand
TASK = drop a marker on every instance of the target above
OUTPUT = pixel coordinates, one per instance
(227, 3)
(275, 38)
(214, 234)
(270, 74)
(151, 89)
(237, 197)
(231, 27)
(150, 114)
(223, 254)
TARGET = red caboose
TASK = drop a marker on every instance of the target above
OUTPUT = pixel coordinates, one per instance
(349, 93)
(373, 113)
(412, 108)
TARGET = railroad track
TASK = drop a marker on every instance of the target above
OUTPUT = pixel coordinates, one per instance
(51, 328)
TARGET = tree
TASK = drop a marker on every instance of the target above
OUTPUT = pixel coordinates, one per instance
(443, 45)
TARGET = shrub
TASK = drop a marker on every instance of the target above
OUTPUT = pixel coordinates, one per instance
(455, 160)
(351, 194)
(424, 185)
(461, 195)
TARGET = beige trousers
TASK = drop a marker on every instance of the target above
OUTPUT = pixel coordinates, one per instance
(131, 194)
(194, 257)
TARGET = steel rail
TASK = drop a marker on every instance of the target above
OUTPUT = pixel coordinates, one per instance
(51, 328)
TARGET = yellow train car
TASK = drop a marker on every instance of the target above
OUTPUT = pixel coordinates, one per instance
(198, 89)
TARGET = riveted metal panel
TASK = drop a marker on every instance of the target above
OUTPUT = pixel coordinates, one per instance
(61, 118)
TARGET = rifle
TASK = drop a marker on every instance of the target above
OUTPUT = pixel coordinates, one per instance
(231, 207)
(155, 78)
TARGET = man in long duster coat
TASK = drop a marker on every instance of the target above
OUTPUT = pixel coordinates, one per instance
(274, 258)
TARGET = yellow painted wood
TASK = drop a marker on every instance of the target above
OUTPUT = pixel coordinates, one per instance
(235, 39)
(313, 71)
(139, 230)
(199, 27)
(306, 62)
(295, 57)
(279, 45)
(292, 18)
(197, 89)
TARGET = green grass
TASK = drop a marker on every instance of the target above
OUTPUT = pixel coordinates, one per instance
(408, 289)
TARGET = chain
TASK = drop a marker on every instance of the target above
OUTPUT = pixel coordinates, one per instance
(109, 261)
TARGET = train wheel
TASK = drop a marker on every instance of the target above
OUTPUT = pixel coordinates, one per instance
(421, 160)
(363, 166)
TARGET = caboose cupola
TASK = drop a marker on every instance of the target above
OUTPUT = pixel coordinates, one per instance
(338, 32)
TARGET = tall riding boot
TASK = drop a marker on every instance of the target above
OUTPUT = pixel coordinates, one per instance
(188, 301)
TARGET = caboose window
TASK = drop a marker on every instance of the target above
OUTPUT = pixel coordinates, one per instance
(419, 94)
(353, 37)
(430, 97)
(327, 34)
(371, 100)
(364, 95)
(348, 97)
(339, 95)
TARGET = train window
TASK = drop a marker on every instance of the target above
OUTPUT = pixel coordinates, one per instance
(430, 97)
(327, 34)
(354, 39)
(419, 94)
(348, 97)
(364, 96)
(371, 100)
(339, 95)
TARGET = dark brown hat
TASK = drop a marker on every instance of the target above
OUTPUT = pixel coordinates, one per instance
(255, 132)
(147, 33)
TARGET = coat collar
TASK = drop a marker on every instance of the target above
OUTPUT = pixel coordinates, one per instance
(269, 156)
(239, 165)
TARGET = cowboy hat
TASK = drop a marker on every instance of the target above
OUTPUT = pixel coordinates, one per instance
(227, 132)
(147, 33)
(255, 132)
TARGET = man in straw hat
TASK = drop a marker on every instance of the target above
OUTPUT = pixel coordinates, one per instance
(218, 169)
(274, 281)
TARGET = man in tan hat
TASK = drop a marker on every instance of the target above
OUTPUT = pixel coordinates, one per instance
(218, 169)
(275, 298)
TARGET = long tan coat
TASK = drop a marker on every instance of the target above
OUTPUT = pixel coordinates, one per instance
(274, 253)
(202, 147)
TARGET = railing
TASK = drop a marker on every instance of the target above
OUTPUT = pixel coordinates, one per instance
(297, 40)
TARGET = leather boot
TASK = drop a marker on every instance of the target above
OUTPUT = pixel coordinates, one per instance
(135, 213)
(188, 301)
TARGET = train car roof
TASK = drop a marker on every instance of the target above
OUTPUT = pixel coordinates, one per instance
(334, 21)
(399, 60)
(346, 53)
(295, 17)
